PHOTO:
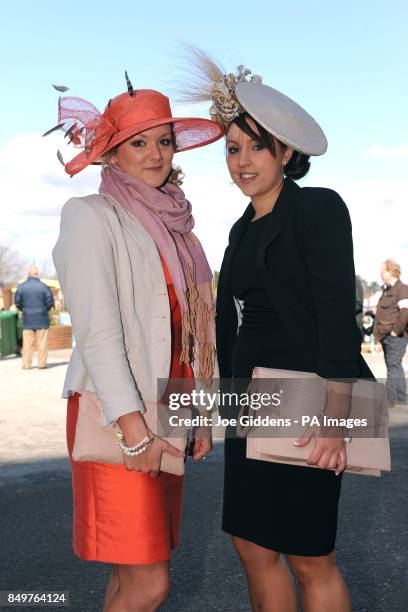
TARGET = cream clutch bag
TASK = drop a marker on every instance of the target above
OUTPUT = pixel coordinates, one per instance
(304, 393)
(95, 442)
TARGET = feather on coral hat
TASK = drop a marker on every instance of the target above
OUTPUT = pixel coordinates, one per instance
(233, 94)
(125, 115)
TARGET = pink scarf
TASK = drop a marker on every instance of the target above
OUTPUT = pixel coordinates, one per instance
(166, 214)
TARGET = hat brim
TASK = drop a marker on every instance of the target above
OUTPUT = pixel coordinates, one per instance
(191, 133)
(282, 117)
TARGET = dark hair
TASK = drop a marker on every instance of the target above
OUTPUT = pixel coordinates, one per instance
(298, 165)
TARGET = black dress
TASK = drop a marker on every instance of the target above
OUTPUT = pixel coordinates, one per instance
(285, 508)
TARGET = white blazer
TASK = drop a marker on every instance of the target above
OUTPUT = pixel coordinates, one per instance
(116, 293)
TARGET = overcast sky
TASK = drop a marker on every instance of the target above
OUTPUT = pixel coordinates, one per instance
(346, 64)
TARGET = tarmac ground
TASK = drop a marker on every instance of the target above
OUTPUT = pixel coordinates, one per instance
(36, 513)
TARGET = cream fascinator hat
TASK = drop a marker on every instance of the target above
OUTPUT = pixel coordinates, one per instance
(233, 94)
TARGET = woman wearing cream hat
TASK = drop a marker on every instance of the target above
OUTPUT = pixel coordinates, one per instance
(288, 274)
(138, 288)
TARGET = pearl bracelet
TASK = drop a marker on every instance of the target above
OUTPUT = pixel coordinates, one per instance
(138, 452)
(136, 447)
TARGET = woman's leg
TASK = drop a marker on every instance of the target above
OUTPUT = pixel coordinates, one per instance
(321, 583)
(139, 588)
(269, 581)
(113, 586)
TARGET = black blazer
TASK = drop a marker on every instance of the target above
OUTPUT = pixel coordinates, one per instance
(305, 256)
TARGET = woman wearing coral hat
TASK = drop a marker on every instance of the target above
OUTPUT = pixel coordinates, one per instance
(287, 275)
(138, 288)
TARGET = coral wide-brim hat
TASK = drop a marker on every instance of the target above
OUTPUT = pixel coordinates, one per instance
(125, 115)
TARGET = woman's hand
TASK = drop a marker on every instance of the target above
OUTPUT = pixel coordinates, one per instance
(329, 453)
(149, 461)
(202, 443)
(134, 429)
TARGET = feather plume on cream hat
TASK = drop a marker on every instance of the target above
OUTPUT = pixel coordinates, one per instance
(233, 94)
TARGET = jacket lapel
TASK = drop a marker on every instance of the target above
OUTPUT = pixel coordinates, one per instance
(235, 236)
(276, 221)
(134, 232)
(239, 228)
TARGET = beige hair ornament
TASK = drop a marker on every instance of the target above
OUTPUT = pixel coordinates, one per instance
(209, 82)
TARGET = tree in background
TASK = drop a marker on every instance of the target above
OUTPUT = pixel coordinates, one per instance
(369, 288)
(46, 269)
(373, 288)
(12, 265)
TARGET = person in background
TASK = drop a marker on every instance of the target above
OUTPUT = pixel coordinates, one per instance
(391, 329)
(34, 299)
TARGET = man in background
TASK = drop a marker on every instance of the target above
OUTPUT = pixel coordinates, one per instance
(391, 329)
(35, 299)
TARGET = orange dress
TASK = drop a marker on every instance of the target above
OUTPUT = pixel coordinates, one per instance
(120, 516)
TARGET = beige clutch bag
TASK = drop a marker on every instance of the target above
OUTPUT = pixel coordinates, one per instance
(304, 394)
(95, 442)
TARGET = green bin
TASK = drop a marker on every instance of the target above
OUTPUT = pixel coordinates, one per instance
(8, 333)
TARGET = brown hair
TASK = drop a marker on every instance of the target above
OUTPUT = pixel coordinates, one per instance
(391, 266)
(176, 176)
(298, 165)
